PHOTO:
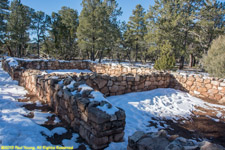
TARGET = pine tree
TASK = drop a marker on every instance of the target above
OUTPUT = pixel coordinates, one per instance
(174, 20)
(40, 24)
(97, 23)
(214, 61)
(3, 15)
(17, 26)
(211, 23)
(136, 30)
(166, 60)
(63, 34)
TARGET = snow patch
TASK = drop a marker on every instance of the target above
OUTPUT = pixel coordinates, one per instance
(84, 87)
(98, 96)
(67, 71)
(71, 85)
(58, 130)
(12, 62)
(111, 110)
(40, 117)
(15, 129)
(153, 106)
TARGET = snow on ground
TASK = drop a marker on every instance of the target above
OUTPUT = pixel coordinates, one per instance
(67, 71)
(125, 64)
(40, 117)
(59, 131)
(12, 62)
(154, 106)
(29, 59)
(182, 72)
(140, 107)
(18, 130)
(15, 129)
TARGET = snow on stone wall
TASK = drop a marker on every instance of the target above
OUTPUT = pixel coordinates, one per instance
(85, 110)
(119, 79)
(73, 97)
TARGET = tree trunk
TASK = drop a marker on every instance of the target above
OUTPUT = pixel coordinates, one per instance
(136, 52)
(10, 51)
(194, 61)
(118, 57)
(190, 60)
(181, 62)
(92, 50)
(87, 53)
(19, 50)
(100, 56)
(38, 47)
(128, 56)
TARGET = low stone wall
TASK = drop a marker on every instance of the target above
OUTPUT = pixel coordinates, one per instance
(119, 79)
(118, 69)
(111, 69)
(162, 141)
(78, 106)
(80, 111)
(14, 72)
(51, 64)
(117, 85)
(197, 85)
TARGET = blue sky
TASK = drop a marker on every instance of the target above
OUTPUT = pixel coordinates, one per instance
(48, 6)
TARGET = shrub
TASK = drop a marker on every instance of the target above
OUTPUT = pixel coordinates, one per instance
(214, 62)
(166, 59)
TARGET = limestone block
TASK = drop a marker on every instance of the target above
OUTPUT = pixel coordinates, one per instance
(191, 78)
(222, 84)
(118, 137)
(97, 116)
(137, 78)
(208, 86)
(98, 142)
(213, 91)
(216, 83)
(100, 82)
(82, 103)
(218, 96)
(114, 88)
(189, 83)
(130, 79)
(202, 89)
(66, 94)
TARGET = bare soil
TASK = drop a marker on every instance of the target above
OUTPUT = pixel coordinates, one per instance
(200, 126)
(50, 124)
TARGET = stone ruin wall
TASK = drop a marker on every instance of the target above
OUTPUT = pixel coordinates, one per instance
(109, 80)
(119, 79)
(95, 126)
(209, 88)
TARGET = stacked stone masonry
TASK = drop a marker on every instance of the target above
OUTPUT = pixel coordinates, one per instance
(162, 141)
(118, 79)
(96, 127)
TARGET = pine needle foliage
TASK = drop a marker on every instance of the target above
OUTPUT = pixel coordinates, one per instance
(166, 59)
(214, 61)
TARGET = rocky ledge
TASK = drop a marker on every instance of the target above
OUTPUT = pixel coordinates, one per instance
(162, 141)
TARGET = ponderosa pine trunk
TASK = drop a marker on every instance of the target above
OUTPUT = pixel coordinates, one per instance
(190, 60)
(136, 52)
(181, 62)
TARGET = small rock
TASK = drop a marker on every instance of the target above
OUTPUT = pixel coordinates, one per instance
(205, 145)
(136, 136)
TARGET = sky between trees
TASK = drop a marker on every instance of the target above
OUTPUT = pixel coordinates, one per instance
(167, 32)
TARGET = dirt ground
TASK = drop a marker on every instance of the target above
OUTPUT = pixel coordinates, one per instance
(55, 139)
(200, 126)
